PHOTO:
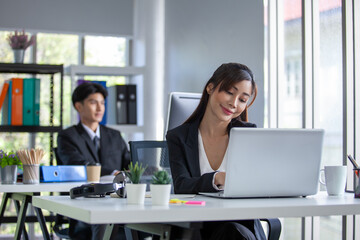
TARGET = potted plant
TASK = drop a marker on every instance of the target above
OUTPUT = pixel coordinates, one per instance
(160, 188)
(9, 163)
(19, 42)
(135, 190)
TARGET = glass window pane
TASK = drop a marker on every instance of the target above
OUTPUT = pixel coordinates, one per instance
(266, 64)
(328, 97)
(105, 51)
(290, 80)
(290, 86)
(57, 49)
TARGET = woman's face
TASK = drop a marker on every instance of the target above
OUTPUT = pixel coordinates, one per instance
(229, 104)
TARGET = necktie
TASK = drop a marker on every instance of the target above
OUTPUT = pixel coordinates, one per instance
(96, 141)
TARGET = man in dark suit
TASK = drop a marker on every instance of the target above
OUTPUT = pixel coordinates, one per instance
(88, 142)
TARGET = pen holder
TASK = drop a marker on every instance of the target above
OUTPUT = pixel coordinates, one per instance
(31, 174)
(357, 183)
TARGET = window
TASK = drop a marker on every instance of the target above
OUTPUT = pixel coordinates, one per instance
(328, 98)
(290, 104)
(283, 26)
(105, 51)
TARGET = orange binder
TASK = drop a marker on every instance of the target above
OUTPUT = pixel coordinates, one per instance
(4, 92)
(17, 101)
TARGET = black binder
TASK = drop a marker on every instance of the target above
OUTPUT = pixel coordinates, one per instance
(131, 104)
(122, 104)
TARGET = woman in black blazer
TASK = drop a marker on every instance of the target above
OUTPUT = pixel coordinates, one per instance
(197, 148)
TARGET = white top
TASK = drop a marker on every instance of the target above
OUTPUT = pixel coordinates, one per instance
(204, 161)
(116, 210)
(205, 166)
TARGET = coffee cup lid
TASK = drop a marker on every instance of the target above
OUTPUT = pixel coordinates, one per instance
(93, 164)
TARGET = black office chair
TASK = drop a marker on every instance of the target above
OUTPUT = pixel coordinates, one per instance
(155, 155)
(152, 154)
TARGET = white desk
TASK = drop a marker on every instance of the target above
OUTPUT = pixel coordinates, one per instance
(23, 193)
(42, 187)
(116, 211)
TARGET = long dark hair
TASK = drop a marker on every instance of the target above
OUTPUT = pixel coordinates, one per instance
(227, 75)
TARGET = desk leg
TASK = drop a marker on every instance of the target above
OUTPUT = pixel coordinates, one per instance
(108, 231)
(42, 223)
(6, 197)
(22, 214)
(17, 206)
(3, 205)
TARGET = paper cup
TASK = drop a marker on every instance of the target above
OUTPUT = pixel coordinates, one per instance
(93, 173)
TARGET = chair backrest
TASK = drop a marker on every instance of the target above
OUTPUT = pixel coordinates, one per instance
(57, 157)
(153, 154)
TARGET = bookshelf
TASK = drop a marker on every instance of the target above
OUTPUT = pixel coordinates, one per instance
(75, 71)
(36, 69)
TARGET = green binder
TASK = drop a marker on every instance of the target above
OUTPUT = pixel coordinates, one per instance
(28, 101)
(37, 103)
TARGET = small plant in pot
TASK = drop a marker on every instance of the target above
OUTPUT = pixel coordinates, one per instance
(19, 42)
(160, 188)
(9, 163)
(135, 190)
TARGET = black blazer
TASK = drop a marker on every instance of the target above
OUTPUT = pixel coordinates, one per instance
(76, 148)
(184, 158)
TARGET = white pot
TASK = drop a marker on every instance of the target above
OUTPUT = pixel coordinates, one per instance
(136, 193)
(160, 194)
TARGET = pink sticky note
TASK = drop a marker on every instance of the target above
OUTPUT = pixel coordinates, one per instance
(202, 203)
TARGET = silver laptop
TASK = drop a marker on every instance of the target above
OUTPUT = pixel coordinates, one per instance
(272, 163)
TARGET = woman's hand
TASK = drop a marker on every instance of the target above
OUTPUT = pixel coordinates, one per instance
(220, 178)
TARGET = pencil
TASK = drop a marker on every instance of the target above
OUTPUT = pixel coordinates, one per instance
(352, 160)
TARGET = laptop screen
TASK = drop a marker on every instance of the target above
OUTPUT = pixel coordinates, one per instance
(273, 162)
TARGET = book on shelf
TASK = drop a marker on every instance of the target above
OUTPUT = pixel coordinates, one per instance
(102, 83)
(17, 101)
(6, 112)
(21, 103)
(31, 97)
(28, 101)
(37, 102)
(117, 107)
(122, 104)
(3, 93)
(131, 102)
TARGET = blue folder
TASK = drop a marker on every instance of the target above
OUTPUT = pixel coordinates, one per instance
(63, 173)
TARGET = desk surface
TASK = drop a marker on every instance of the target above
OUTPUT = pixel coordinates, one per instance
(41, 187)
(116, 210)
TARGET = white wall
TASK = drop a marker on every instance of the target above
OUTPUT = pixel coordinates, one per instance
(201, 35)
(108, 17)
(198, 37)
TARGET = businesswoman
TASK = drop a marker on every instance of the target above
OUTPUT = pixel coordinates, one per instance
(197, 148)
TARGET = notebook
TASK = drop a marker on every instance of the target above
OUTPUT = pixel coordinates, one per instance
(272, 163)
